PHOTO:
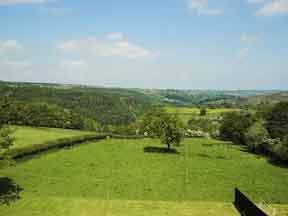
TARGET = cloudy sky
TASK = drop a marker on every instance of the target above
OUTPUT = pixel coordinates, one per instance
(184, 44)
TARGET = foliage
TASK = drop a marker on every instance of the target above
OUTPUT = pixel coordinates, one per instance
(41, 115)
(159, 124)
(280, 149)
(105, 106)
(234, 125)
(171, 130)
(209, 125)
(255, 138)
(150, 122)
(91, 125)
(131, 129)
(203, 111)
(277, 120)
(6, 139)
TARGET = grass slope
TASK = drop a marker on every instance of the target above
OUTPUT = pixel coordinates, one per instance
(28, 135)
(102, 178)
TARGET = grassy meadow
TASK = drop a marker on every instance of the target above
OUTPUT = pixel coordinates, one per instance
(30, 135)
(185, 113)
(134, 177)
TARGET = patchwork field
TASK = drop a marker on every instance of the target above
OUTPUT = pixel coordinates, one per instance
(28, 135)
(126, 177)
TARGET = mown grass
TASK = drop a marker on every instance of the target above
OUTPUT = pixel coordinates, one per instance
(28, 135)
(119, 177)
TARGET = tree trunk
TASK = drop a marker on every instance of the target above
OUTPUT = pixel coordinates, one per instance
(168, 145)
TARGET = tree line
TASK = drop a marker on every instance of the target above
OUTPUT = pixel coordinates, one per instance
(263, 132)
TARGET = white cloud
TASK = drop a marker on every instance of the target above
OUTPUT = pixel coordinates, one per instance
(243, 53)
(256, 1)
(71, 46)
(115, 36)
(107, 48)
(275, 7)
(15, 65)
(73, 65)
(10, 46)
(250, 38)
(14, 2)
(202, 8)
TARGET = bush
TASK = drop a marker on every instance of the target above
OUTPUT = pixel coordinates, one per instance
(6, 140)
(277, 120)
(203, 111)
(125, 130)
(203, 124)
(91, 125)
(234, 125)
(255, 138)
(280, 149)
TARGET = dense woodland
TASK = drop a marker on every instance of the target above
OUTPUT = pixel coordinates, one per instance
(75, 108)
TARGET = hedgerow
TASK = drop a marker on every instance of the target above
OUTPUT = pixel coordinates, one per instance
(34, 149)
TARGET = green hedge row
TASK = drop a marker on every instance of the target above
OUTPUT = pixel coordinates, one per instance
(19, 153)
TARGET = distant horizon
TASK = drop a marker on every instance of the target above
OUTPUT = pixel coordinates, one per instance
(119, 87)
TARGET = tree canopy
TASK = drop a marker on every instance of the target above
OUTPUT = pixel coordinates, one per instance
(167, 127)
(277, 120)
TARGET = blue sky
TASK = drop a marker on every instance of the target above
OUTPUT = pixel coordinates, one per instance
(184, 44)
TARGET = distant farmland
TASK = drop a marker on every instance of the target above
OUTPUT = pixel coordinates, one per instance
(185, 113)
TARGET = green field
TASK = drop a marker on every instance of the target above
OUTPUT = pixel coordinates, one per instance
(28, 135)
(185, 113)
(131, 177)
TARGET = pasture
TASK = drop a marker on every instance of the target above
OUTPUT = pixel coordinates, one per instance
(30, 135)
(135, 177)
(185, 113)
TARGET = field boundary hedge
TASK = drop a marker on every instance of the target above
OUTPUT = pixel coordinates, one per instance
(34, 149)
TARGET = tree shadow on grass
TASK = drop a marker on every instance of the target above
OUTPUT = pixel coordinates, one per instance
(160, 150)
(9, 191)
(281, 164)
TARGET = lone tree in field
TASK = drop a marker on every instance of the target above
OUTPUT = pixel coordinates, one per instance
(167, 127)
